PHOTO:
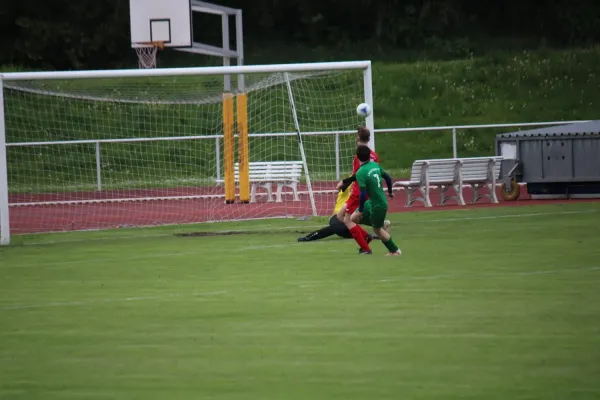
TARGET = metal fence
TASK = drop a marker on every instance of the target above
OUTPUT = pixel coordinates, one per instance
(451, 128)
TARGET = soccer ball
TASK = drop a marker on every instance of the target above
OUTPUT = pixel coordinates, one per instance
(363, 110)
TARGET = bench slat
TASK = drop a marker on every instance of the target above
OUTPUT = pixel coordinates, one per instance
(445, 172)
(270, 171)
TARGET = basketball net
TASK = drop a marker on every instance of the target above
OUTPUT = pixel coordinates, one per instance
(146, 52)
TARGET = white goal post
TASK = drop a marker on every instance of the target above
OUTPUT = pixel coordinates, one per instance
(83, 150)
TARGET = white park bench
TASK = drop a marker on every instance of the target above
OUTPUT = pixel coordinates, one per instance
(477, 172)
(481, 172)
(426, 174)
(263, 174)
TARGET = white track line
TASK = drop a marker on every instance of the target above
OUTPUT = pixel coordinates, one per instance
(216, 293)
(102, 301)
(489, 274)
(507, 216)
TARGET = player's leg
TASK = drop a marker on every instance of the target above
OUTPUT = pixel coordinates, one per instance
(340, 228)
(322, 233)
(335, 227)
(357, 232)
(378, 221)
(343, 231)
(342, 212)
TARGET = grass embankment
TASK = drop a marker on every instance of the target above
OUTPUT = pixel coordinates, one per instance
(520, 87)
(524, 87)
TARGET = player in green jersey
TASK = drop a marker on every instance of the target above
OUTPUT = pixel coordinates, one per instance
(373, 211)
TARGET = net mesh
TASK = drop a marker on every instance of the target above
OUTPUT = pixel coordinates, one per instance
(105, 153)
(146, 53)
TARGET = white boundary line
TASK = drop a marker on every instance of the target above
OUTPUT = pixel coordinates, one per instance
(116, 300)
(290, 227)
(216, 293)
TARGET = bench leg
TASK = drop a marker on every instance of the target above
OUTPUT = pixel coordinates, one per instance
(459, 194)
(409, 193)
(443, 196)
(426, 198)
(476, 194)
(492, 188)
(269, 188)
(294, 187)
(266, 186)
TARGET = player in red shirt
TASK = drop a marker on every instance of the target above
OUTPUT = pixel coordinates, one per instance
(358, 233)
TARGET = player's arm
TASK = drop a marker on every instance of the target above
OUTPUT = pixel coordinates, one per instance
(363, 199)
(364, 195)
(347, 182)
(388, 181)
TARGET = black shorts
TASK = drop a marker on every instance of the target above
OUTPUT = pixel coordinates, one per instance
(339, 227)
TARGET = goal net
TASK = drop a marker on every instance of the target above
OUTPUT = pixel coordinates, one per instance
(156, 147)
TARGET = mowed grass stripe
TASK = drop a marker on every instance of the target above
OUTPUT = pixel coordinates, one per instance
(474, 309)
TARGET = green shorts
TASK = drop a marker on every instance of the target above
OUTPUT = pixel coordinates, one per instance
(373, 216)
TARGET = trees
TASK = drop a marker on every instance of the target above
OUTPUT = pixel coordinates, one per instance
(70, 34)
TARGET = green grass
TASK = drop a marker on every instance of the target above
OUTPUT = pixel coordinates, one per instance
(495, 303)
(525, 86)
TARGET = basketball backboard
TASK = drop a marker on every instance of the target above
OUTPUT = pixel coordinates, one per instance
(168, 21)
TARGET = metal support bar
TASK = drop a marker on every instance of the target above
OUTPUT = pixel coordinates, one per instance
(4, 217)
(454, 150)
(98, 167)
(337, 156)
(239, 47)
(226, 59)
(218, 158)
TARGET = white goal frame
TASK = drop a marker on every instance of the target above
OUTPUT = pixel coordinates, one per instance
(365, 66)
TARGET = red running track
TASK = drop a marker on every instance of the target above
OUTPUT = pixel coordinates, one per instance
(104, 214)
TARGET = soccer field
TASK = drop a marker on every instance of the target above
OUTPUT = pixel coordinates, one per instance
(485, 303)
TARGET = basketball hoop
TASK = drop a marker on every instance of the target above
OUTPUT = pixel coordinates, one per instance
(146, 52)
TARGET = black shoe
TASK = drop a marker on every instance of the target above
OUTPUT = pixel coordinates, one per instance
(374, 237)
(369, 238)
(302, 239)
(361, 252)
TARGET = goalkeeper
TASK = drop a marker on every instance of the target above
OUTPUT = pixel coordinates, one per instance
(337, 227)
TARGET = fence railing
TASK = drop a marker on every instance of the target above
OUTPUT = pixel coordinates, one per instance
(453, 128)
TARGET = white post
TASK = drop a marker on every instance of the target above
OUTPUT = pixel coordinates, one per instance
(187, 71)
(239, 44)
(337, 156)
(302, 153)
(226, 60)
(218, 157)
(368, 88)
(98, 167)
(4, 221)
(454, 151)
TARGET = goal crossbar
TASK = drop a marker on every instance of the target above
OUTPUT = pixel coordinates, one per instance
(140, 73)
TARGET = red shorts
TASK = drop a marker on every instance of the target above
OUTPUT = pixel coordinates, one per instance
(352, 203)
